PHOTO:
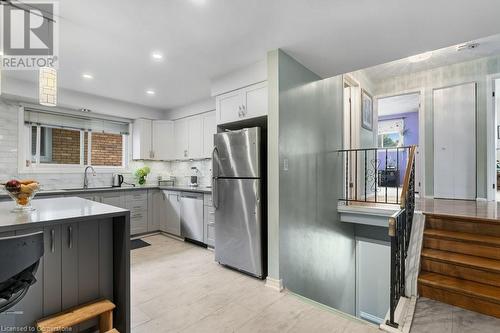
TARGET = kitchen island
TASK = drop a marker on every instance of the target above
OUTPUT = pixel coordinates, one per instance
(86, 257)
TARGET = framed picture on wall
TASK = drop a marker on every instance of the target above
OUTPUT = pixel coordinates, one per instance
(366, 110)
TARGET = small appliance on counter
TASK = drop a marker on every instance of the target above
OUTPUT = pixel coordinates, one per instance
(166, 182)
(118, 180)
(194, 178)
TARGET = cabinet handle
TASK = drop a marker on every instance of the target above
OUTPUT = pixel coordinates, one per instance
(52, 240)
(70, 237)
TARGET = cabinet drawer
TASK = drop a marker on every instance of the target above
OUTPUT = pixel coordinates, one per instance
(137, 206)
(136, 196)
(207, 200)
(138, 223)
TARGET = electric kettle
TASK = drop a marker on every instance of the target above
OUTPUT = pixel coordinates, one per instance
(117, 180)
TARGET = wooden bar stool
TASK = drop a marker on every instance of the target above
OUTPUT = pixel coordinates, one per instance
(74, 316)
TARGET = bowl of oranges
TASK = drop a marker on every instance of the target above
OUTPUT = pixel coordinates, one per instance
(22, 191)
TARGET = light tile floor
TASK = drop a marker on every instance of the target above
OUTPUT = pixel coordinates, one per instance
(177, 287)
(433, 316)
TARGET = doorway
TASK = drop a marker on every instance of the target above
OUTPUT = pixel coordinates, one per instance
(398, 126)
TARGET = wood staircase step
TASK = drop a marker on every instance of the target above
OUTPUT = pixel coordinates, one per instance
(466, 294)
(481, 226)
(464, 260)
(461, 272)
(460, 242)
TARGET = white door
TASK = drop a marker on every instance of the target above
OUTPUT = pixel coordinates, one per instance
(209, 129)
(455, 142)
(195, 138)
(181, 139)
(256, 102)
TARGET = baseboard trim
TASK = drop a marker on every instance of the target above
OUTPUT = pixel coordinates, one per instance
(482, 199)
(274, 284)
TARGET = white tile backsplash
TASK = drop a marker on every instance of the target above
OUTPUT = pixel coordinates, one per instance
(181, 170)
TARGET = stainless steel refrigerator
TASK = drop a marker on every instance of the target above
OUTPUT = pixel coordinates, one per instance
(237, 184)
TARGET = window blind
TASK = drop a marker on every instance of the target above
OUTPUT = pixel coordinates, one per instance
(76, 122)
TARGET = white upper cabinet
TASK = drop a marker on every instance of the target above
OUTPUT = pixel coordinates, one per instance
(209, 129)
(246, 103)
(163, 137)
(195, 137)
(152, 139)
(181, 139)
(141, 139)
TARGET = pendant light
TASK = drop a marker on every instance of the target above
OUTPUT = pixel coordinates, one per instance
(48, 86)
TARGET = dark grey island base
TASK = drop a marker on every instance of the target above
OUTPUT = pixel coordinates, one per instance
(86, 257)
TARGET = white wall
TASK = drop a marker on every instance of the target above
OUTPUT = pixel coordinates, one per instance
(191, 109)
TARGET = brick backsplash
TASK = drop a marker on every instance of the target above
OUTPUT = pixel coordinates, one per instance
(181, 170)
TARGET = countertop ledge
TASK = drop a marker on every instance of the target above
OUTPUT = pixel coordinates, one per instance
(200, 189)
(54, 210)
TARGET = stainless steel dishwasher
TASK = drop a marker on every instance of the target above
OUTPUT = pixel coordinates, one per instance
(192, 216)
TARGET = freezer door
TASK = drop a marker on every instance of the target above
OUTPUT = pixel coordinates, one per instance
(238, 225)
(237, 154)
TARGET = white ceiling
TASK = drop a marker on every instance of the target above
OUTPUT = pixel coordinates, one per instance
(488, 46)
(113, 39)
(398, 104)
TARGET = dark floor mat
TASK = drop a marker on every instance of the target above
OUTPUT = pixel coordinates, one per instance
(138, 243)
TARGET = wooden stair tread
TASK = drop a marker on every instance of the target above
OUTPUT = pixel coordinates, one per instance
(463, 218)
(75, 315)
(462, 236)
(462, 260)
(464, 287)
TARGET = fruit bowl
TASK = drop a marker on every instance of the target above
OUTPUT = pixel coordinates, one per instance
(22, 191)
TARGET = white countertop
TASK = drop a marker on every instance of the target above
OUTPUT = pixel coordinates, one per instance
(55, 209)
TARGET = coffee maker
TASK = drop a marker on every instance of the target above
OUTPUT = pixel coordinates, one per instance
(194, 177)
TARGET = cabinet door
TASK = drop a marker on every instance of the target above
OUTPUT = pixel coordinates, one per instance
(195, 139)
(156, 212)
(256, 101)
(181, 139)
(141, 139)
(173, 224)
(52, 272)
(163, 140)
(69, 264)
(229, 107)
(209, 226)
(209, 129)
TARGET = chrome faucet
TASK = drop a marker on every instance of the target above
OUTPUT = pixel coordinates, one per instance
(85, 177)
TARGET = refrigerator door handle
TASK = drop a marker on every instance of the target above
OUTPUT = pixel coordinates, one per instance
(215, 176)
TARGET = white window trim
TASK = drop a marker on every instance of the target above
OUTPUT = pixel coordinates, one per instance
(24, 154)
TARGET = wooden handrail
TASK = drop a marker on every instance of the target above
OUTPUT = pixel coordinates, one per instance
(406, 181)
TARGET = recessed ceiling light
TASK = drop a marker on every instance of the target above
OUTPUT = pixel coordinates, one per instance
(199, 2)
(420, 57)
(87, 76)
(150, 92)
(157, 56)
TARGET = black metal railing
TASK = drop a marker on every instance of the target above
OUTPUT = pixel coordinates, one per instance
(400, 225)
(374, 174)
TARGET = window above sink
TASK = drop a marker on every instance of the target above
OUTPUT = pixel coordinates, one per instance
(54, 142)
